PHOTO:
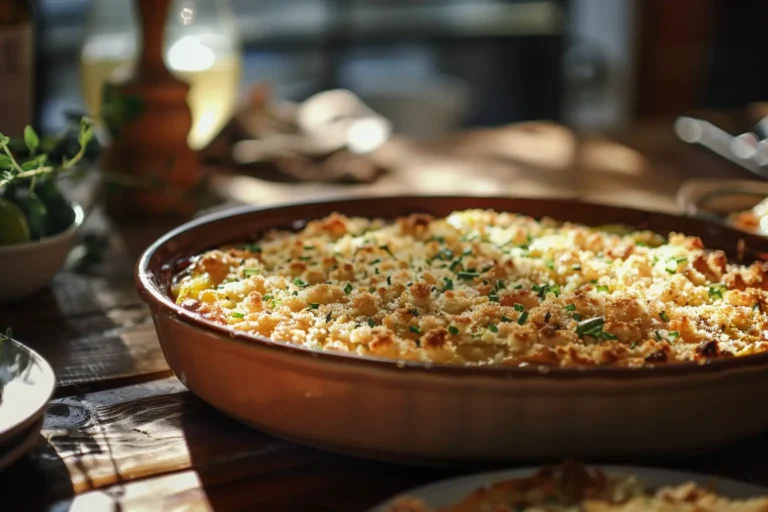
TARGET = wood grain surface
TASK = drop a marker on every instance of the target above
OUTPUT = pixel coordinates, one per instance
(122, 434)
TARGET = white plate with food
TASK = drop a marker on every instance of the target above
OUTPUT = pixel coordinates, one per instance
(574, 487)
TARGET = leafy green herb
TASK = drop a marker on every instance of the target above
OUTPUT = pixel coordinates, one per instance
(389, 280)
(467, 251)
(570, 307)
(253, 248)
(550, 264)
(577, 317)
(467, 275)
(250, 271)
(602, 288)
(414, 329)
(493, 328)
(301, 284)
(523, 318)
(499, 285)
(371, 323)
(235, 314)
(576, 267)
(448, 284)
(377, 260)
(633, 345)
(664, 316)
(453, 330)
(314, 305)
(348, 289)
(329, 316)
(31, 139)
(672, 335)
(505, 318)
(519, 308)
(493, 297)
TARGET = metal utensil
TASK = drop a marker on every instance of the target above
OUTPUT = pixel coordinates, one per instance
(748, 150)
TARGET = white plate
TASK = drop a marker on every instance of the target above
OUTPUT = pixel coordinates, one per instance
(448, 492)
(27, 382)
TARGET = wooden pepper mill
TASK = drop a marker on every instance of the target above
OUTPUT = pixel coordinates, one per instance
(161, 172)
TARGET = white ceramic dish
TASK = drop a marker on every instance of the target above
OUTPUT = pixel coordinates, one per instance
(27, 382)
(715, 199)
(30, 266)
(448, 492)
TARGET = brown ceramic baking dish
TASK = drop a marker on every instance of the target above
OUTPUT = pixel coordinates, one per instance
(437, 414)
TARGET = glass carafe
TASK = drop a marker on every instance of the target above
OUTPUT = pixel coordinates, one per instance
(201, 47)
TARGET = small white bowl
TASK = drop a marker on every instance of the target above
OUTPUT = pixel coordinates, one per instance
(30, 266)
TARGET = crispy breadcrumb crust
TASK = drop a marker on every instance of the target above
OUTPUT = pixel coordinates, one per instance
(485, 288)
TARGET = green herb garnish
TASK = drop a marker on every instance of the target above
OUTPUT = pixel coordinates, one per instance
(594, 327)
(467, 275)
(602, 288)
(386, 248)
(493, 328)
(371, 323)
(250, 271)
(493, 297)
(301, 284)
(523, 318)
(453, 330)
(664, 316)
(235, 314)
(570, 307)
(414, 329)
(716, 291)
(519, 308)
(348, 289)
(314, 305)
(448, 284)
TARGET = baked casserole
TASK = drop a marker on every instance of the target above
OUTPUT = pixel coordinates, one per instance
(480, 287)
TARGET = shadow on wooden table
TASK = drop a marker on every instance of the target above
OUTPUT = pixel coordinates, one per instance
(239, 468)
(42, 470)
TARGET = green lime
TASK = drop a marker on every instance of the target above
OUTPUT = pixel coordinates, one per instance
(14, 228)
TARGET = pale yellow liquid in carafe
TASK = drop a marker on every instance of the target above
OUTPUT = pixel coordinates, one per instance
(212, 95)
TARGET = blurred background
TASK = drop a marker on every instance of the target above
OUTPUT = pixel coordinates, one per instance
(598, 64)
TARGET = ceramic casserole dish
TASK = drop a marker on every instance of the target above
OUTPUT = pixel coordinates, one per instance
(441, 414)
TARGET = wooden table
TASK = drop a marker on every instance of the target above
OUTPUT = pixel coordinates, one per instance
(123, 434)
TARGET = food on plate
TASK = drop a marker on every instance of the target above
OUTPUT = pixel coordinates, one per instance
(573, 487)
(754, 220)
(480, 287)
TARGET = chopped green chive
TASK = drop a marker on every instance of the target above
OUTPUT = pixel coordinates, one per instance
(467, 275)
(633, 345)
(576, 267)
(570, 307)
(519, 308)
(493, 328)
(389, 280)
(594, 327)
(577, 317)
(602, 288)
(328, 317)
(453, 330)
(448, 284)
(493, 297)
(550, 264)
(250, 271)
(716, 291)
(664, 316)
(314, 305)
(301, 284)
(386, 248)
(235, 314)
(371, 323)
(377, 260)
(499, 285)
(658, 335)
(414, 329)
(523, 318)
(348, 289)
(253, 248)
(673, 335)
(467, 251)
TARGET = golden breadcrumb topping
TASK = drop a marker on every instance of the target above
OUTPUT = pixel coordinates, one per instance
(485, 288)
(571, 487)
